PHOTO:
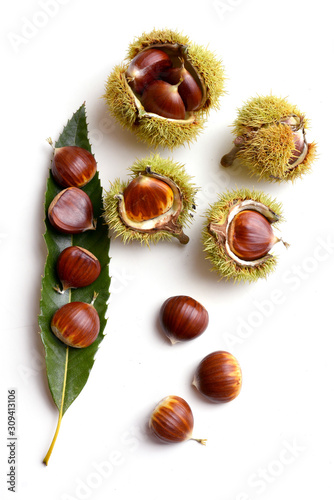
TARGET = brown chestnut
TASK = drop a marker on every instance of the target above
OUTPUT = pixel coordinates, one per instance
(146, 198)
(189, 90)
(73, 166)
(77, 267)
(250, 235)
(218, 377)
(183, 318)
(163, 99)
(145, 67)
(76, 324)
(71, 211)
(172, 421)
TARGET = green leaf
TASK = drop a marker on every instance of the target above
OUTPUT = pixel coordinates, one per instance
(68, 368)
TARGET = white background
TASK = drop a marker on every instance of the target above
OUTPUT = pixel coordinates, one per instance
(276, 439)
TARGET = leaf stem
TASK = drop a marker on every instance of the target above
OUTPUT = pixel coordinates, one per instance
(47, 456)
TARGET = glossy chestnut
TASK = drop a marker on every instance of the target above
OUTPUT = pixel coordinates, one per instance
(77, 267)
(73, 166)
(163, 99)
(71, 211)
(250, 235)
(218, 377)
(146, 198)
(76, 324)
(172, 421)
(145, 67)
(189, 90)
(182, 318)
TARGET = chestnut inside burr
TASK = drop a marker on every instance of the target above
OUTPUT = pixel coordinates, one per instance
(165, 83)
(250, 235)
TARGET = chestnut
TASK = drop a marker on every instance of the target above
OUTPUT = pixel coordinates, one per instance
(145, 67)
(189, 90)
(146, 198)
(73, 166)
(76, 324)
(172, 421)
(183, 318)
(163, 99)
(77, 267)
(71, 211)
(218, 377)
(251, 235)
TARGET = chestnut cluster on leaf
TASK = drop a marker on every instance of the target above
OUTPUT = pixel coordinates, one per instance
(76, 324)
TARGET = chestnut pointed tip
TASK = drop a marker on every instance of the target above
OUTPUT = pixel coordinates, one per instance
(59, 290)
(201, 441)
(173, 341)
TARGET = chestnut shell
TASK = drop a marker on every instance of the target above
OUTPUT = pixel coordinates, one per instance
(77, 267)
(73, 166)
(182, 318)
(218, 377)
(146, 198)
(71, 211)
(172, 420)
(76, 324)
(250, 235)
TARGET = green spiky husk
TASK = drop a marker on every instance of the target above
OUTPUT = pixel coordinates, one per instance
(263, 110)
(268, 148)
(163, 166)
(268, 153)
(222, 264)
(152, 129)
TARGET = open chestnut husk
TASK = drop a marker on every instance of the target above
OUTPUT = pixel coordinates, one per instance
(218, 377)
(71, 211)
(154, 125)
(183, 318)
(76, 324)
(154, 205)
(271, 140)
(73, 166)
(172, 421)
(239, 235)
(77, 267)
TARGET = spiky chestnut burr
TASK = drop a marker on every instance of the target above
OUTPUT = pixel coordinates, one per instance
(156, 204)
(126, 106)
(271, 140)
(238, 235)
